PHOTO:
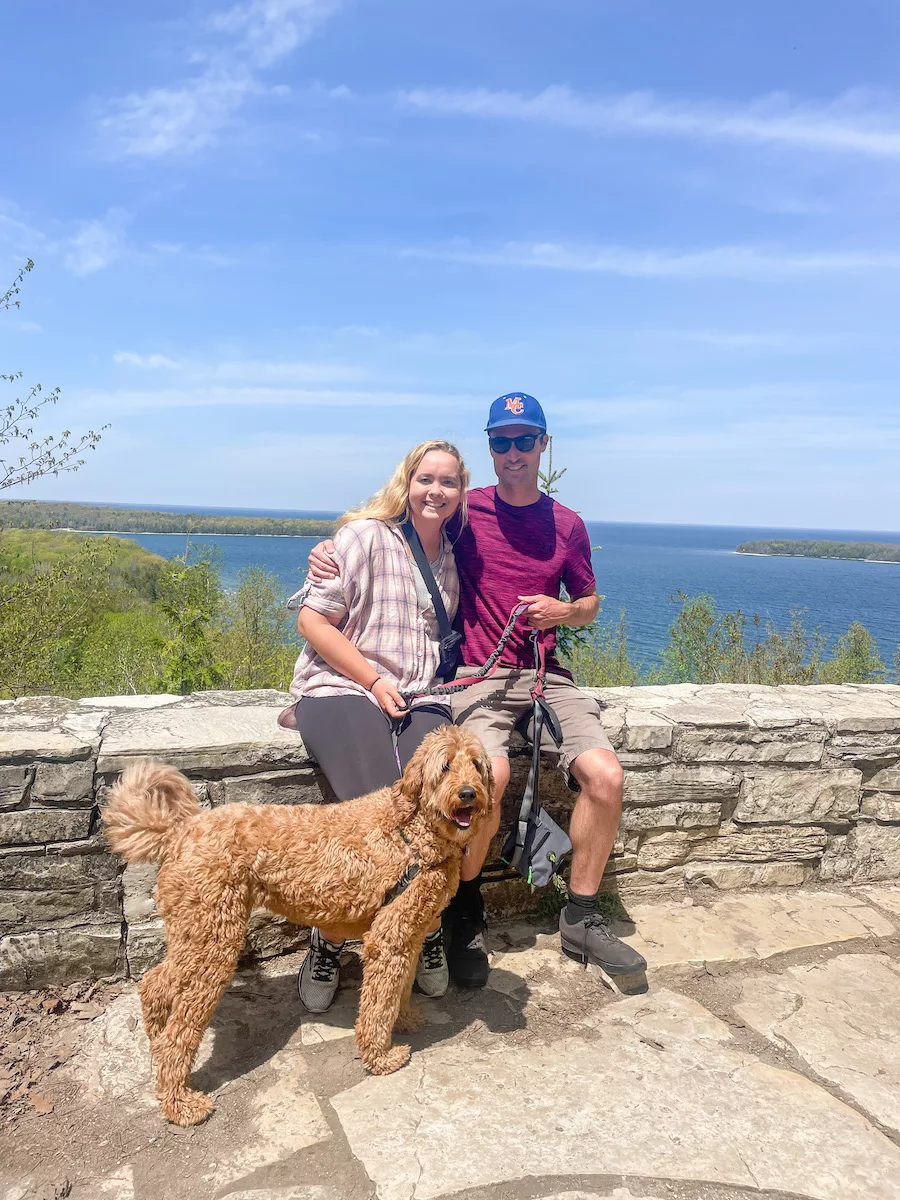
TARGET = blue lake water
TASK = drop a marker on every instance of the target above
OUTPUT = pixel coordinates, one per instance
(640, 567)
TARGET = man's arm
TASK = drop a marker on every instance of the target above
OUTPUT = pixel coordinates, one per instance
(545, 612)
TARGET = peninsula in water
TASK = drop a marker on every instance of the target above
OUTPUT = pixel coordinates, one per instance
(93, 518)
(864, 551)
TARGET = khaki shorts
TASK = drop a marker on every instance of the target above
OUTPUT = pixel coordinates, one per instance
(491, 709)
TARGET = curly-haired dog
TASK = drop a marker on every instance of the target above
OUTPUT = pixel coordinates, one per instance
(381, 867)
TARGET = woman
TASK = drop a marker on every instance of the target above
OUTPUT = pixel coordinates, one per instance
(372, 634)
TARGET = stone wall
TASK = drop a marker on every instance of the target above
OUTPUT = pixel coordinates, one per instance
(726, 787)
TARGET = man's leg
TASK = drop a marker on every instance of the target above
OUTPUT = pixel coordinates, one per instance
(595, 821)
(464, 922)
(489, 710)
(585, 934)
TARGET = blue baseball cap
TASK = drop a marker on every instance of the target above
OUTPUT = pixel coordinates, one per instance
(516, 408)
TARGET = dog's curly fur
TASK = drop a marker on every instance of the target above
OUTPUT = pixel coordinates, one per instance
(332, 865)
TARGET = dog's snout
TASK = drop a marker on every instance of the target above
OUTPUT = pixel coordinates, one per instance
(466, 793)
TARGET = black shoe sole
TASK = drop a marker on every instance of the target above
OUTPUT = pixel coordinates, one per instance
(582, 958)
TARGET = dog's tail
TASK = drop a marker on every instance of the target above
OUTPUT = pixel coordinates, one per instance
(145, 809)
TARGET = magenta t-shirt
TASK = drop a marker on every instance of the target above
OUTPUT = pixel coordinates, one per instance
(505, 552)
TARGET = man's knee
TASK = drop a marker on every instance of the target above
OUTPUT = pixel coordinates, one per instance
(600, 774)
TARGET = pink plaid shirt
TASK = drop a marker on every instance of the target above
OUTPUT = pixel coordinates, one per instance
(376, 598)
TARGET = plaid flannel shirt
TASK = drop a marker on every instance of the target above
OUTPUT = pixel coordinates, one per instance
(380, 611)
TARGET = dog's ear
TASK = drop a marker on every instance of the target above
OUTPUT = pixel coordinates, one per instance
(408, 789)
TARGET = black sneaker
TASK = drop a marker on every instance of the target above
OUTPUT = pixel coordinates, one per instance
(467, 958)
(592, 940)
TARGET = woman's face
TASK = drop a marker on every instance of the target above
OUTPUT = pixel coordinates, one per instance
(435, 490)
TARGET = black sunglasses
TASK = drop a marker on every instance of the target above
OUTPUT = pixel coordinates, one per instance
(503, 445)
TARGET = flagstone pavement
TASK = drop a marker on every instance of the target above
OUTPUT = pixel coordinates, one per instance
(759, 1058)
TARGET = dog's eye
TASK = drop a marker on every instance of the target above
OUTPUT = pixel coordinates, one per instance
(477, 764)
(445, 767)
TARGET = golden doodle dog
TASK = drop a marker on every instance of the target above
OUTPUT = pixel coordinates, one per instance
(381, 868)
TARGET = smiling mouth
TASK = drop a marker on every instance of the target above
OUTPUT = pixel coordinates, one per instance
(463, 817)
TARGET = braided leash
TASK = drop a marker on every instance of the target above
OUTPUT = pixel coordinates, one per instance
(490, 665)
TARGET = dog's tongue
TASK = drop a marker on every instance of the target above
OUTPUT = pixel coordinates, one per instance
(463, 817)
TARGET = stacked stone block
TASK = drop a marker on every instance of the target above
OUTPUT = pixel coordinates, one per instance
(726, 786)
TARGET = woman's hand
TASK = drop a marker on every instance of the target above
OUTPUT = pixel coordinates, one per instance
(322, 567)
(389, 698)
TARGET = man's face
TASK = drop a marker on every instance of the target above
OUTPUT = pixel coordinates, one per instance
(518, 467)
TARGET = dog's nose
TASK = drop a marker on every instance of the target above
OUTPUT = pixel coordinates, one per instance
(466, 793)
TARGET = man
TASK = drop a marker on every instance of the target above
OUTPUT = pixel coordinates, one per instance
(521, 546)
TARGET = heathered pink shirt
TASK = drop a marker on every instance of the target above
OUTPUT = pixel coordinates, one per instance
(505, 552)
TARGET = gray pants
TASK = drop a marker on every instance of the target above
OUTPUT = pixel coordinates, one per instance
(350, 739)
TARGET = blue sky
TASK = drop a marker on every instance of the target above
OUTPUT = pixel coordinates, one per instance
(278, 242)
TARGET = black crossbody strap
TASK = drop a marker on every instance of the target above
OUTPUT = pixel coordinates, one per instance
(409, 532)
(530, 798)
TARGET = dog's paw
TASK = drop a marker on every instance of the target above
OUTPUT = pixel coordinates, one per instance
(391, 1060)
(410, 1019)
(187, 1108)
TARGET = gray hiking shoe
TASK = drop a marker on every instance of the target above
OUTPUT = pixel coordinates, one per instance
(592, 940)
(432, 975)
(320, 974)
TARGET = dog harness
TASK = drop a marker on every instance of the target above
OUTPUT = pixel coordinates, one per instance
(406, 878)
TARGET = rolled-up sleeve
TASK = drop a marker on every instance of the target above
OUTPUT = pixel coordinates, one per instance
(334, 597)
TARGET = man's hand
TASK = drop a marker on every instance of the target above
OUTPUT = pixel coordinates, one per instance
(322, 567)
(389, 698)
(546, 612)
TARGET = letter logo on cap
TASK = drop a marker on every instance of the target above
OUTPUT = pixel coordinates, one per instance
(515, 405)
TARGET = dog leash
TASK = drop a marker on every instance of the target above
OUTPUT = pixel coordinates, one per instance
(446, 689)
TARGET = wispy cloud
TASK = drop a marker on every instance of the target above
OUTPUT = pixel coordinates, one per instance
(146, 362)
(97, 244)
(257, 397)
(236, 47)
(855, 122)
(249, 371)
(743, 262)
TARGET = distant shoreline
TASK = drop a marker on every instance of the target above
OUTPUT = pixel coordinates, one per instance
(177, 533)
(890, 562)
(860, 551)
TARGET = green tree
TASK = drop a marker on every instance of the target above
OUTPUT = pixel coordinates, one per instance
(855, 658)
(190, 600)
(45, 616)
(253, 650)
(31, 456)
(605, 660)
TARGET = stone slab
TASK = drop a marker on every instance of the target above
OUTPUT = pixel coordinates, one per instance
(887, 898)
(272, 787)
(750, 746)
(869, 852)
(697, 785)
(881, 806)
(658, 1063)
(64, 784)
(784, 843)
(42, 958)
(163, 700)
(211, 738)
(33, 826)
(727, 876)
(886, 779)
(742, 927)
(843, 1019)
(670, 816)
(284, 1116)
(28, 745)
(13, 785)
(799, 797)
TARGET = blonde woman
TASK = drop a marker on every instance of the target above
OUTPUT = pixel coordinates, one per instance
(372, 634)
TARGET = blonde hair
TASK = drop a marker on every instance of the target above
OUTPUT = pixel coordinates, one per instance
(391, 502)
